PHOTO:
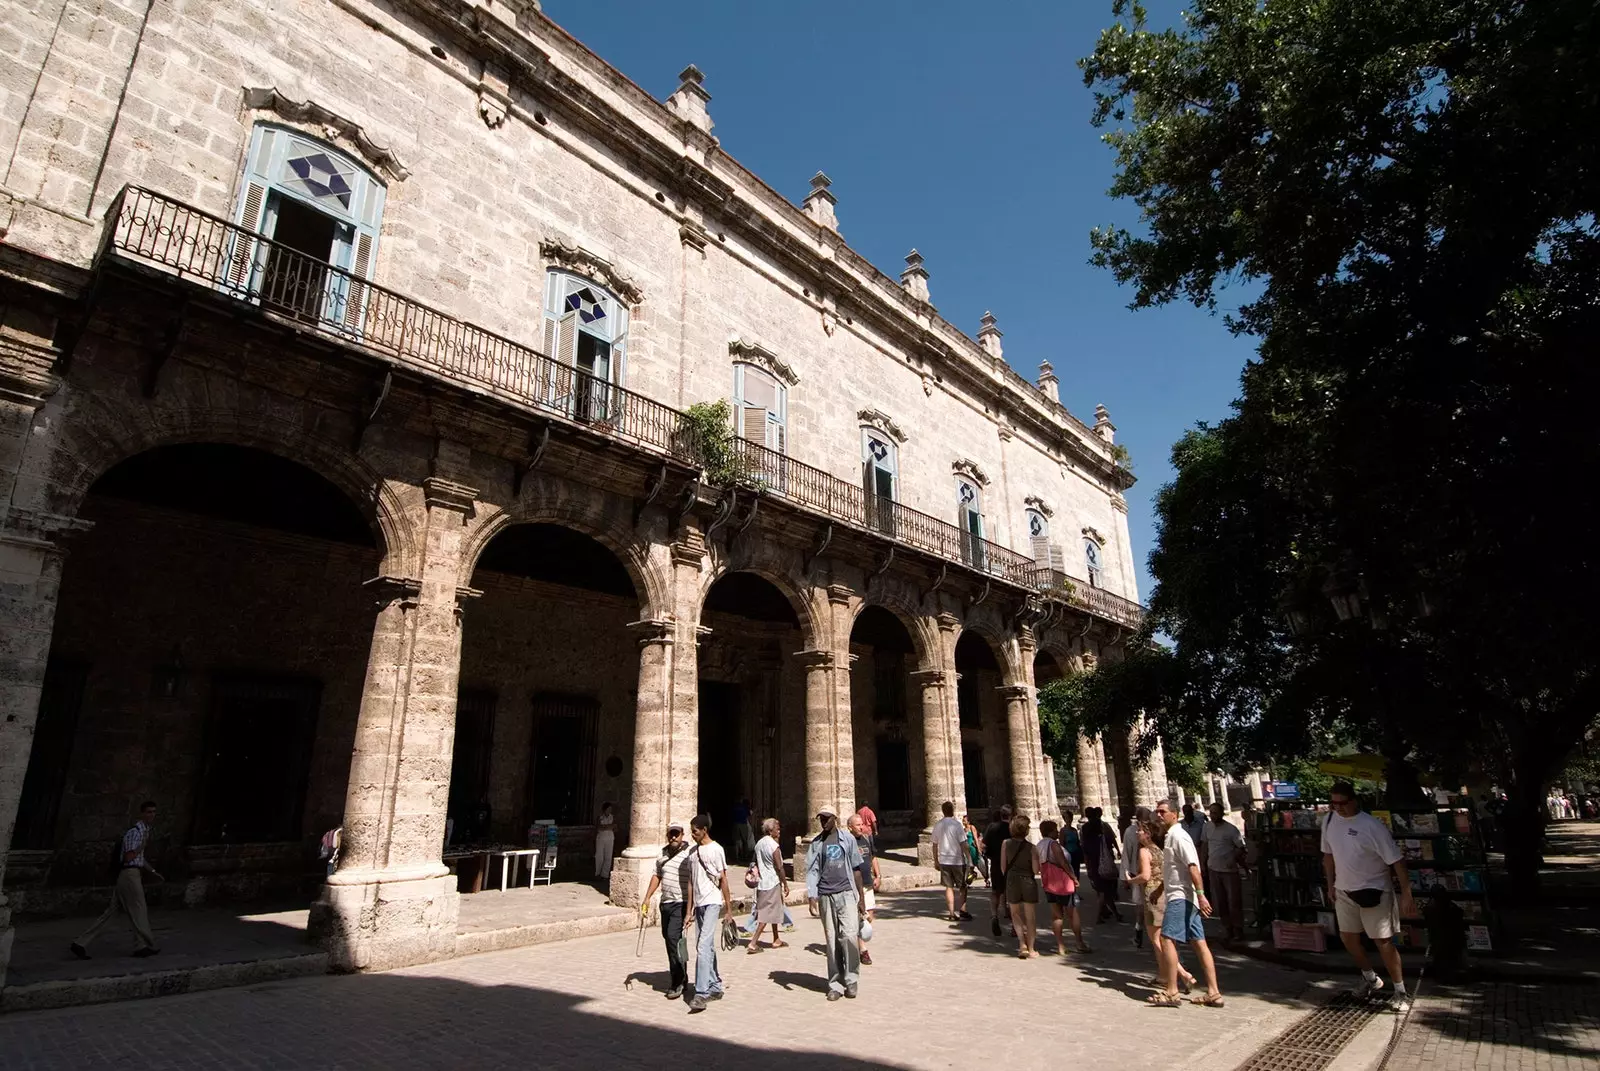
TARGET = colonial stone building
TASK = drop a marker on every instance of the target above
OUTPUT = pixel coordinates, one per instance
(350, 475)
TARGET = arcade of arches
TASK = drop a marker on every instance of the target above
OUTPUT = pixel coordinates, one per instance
(269, 654)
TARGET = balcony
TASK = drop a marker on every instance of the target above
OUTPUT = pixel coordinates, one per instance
(148, 230)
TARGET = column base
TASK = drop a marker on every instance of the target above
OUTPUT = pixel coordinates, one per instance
(631, 874)
(925, 855)
(376, 925)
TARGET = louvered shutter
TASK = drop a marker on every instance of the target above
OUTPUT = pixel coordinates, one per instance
(753, 424)
(566, 359)
(365, 254)
(1058, 560)
(777, 435)
(243, 270)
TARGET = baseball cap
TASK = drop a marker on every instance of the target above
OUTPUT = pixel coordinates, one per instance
(679, 826)
(826, 812)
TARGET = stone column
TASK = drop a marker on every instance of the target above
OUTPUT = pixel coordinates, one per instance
(652, 759)
(1022, 735)
(30, 576)
(392, 901)
(828, 742)
(1091, 774)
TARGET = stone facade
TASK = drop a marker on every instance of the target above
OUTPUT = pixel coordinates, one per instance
(386, 349)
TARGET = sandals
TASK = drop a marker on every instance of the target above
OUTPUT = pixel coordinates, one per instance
(1164, 1000)
(751, 950)
(780, 944)
(1208, 1000)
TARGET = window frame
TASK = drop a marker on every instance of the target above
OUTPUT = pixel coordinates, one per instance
(777, 422)
(1094, 562)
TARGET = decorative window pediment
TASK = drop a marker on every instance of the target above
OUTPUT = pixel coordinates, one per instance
(1035, 502)
(329, 124)
(879, 419)
(967, 467)
(569, 256)
(763, 358)
(1094, 534)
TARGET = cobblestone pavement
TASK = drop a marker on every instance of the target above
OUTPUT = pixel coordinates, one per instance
(1502, 1026)
(933, 988)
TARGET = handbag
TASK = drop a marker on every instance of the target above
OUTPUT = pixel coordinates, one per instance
(752, 876)
(1057, 880)
(1106, 868)
(1365, 897)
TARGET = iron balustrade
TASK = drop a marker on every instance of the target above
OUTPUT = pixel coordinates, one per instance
(1097, 601)
(158, 231)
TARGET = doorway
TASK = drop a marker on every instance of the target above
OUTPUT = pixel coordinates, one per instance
(297, 263)
(258, 759)
(720, 785)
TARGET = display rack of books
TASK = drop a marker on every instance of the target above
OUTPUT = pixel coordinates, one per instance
(1445, 860)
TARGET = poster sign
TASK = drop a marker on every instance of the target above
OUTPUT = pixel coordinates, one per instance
(1285, 790)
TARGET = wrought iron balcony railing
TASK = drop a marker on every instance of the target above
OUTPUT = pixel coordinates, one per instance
(1097, 601)
(156, 231)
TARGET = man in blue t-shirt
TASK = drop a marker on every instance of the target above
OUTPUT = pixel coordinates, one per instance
(833, 885)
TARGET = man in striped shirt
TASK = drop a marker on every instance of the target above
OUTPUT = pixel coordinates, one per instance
(127, 895)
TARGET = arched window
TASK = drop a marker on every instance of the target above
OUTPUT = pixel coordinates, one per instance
(880, 476)
(761, 405)
(320, 209)
(1091, 558)
(969, 518)
(585, 330)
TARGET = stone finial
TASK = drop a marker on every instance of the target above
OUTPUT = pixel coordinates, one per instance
(820, 201)
(989, 336)
(1102, 424)
(915, 277)
(1048, 383)
(688, 101)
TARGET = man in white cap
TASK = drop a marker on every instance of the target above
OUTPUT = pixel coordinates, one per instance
(833, 885)
(671, 877)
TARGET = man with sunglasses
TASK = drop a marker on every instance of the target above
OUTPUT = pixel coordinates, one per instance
(1362, 862)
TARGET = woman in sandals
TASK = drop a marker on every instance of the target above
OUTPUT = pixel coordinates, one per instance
(1021, 869)
(1063, 906)
(772, 887)
(1147, 876)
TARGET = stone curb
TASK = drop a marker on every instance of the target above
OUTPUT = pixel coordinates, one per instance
(1483, 970)
(539, 933)
(79, 991)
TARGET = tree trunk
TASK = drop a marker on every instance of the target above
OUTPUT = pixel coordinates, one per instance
(1522, 833)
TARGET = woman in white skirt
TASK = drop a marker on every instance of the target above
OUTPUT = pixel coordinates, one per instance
(772, 887)
(605, 839)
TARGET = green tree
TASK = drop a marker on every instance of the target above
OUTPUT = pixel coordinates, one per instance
(1400, 184)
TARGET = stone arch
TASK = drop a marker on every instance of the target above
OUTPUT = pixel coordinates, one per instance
(605, 518)
(779, 567)
(987, 623)
(907, 604)
(100, 435)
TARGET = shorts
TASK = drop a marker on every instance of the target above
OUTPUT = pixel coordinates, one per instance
(1062, 899)
(1379, 923)
(871, 897)
(953, 875)
(1182, 922)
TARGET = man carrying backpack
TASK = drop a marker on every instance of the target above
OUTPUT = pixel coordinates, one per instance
(127, 894)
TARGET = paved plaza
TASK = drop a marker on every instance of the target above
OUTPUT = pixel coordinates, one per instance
(931, 999)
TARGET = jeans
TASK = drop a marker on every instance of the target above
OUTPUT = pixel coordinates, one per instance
(672, 935)
(841, 929)
(706, 978)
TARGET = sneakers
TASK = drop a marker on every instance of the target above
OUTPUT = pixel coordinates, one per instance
(78, 950)
(850, 991)
(994, 927)
(965, 916)
(833, 995)
(1400, 1001)
(697, 1004)
(1367, 988)
(866, 957)
(675, 993)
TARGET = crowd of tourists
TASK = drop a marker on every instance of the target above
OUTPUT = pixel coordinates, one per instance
(1178, 866)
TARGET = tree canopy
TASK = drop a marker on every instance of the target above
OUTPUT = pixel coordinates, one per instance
(1408, 191)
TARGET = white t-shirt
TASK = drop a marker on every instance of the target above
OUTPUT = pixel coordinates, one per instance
(1224, 844)
(1362, 850)
(764, 868)
(1176, 856)
(950, 841)
(704, 857)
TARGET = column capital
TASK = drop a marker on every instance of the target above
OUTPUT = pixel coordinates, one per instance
(407, 590)
(815, 659)
(948, 622)
(840, 593)
(1013, 691)
(1026, 639)
(441, 493)
(41, 531)
(690, 546)
(929, 678)
(653, 630)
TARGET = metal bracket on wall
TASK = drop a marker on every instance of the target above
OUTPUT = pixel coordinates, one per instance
(749, 518)
(536, 444)
(167, 339)
(984, 595)
(822, 545)
(938, 582)
(725, 505)
(685, 503)
(652, 491)
(888, 560)
(366, 419)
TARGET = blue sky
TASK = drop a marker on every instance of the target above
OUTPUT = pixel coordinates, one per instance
(962, 131)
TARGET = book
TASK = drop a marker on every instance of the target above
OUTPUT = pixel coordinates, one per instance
(1463, 822)
(1424, 823)
(1471, 881)
(1386, 818)
(1478, 938)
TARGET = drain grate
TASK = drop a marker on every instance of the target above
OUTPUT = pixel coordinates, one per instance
(1311, 1043)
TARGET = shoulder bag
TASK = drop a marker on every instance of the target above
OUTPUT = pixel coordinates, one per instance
(1056, 877)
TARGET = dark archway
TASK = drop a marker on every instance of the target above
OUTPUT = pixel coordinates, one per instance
(1046, 668)
(752, 710)
(547, 699)
(984, 750)
(886, 721)
(209, 652)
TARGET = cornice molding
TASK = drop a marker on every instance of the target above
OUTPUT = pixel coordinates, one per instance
(965, 466)
(1039, 504)
(877, 418)
(570, 256)
(330, 124)
(751, 353)
(1093, 533)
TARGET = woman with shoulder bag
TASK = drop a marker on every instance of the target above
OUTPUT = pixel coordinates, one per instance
(1060, 887)
(1021, 869)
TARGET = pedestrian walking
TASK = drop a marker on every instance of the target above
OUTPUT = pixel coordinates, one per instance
(1151, 837)
(869, 883)
(1185, 910)
(1222, 858)
(1130, 865)
(127, 894)
(994, 839)
(1060, 886)
(772, 887)
(1021, 869)
(709, 899)
(1100, 859)
(869, 827)
(671, 878)
(974, 856)
(605, 840)
(833, 887)
(744, 839)
(1070, 841)
(1194, 824)
(950, 854)
(1362, 864)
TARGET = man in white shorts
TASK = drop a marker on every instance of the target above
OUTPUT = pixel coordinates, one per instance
(1360, 858)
